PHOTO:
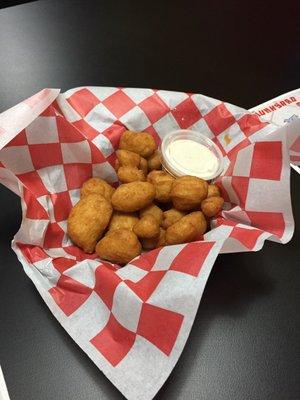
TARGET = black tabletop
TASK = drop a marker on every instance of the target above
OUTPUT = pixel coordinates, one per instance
(245, 339)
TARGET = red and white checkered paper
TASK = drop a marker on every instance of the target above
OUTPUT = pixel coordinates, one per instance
(133, 322)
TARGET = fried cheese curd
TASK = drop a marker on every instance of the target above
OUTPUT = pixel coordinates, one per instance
(149, 209)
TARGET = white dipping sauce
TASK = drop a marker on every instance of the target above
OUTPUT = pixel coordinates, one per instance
(193, 157)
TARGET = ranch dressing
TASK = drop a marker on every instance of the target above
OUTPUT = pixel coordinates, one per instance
(187, 152)
(193, 157)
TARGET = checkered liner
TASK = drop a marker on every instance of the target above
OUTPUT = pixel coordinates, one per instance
(133, 322)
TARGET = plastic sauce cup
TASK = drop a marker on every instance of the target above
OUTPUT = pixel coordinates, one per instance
(182, 158)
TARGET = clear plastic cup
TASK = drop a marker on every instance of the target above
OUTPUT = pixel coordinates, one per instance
(177, 170)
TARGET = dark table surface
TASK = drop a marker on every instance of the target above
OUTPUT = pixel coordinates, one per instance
(245, 339)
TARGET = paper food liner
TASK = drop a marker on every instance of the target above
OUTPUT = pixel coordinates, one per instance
(284, 110)
(133, 322)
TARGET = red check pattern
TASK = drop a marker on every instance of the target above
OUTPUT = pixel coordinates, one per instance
(117, 314)
(158, 112)
(158, 325)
